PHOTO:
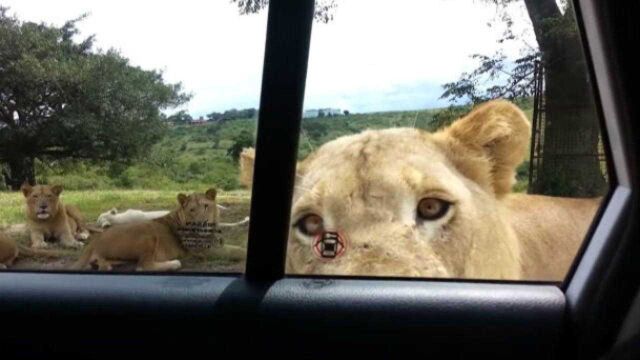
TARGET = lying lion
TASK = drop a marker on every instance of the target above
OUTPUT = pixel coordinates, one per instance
(153, 244)
(49, 218)
(10, 251)
(113, 217)
(406, 202)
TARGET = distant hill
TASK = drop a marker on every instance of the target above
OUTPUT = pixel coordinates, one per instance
(193, 157)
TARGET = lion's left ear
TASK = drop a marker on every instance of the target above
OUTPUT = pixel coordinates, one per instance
(182, 199)
(56, 189)
(26, 189)
(488, 144)
(211, 194)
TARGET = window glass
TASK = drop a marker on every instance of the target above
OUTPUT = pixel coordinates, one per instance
(446, 139)
(123, 125)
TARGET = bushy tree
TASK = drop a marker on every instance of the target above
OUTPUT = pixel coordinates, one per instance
(59, 98)
(240, 141)
(180, 118)
(571, 133)
(232, 114)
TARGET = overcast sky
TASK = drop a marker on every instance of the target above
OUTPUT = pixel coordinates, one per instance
(374, 56)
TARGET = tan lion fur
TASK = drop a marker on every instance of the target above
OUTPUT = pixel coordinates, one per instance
(368, 185)
(246, 166)
(152, 244)
(10, 250)
(49, 217)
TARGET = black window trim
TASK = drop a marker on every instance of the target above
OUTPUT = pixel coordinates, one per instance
(281, 105)
(600, 289)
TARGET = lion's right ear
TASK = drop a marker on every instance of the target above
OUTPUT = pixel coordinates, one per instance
(247, 160)
(211, 194)
(113, 211)
(488, 144)
(57, 189)
(26, 189)
(182, 199)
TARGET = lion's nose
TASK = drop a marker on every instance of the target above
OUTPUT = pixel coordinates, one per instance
(43, 207)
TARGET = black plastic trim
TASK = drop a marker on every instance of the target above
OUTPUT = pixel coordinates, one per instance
(167, 314)
(281, 104)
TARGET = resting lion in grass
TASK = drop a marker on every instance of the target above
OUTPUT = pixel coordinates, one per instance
(406, 202)
(113, 217)
(49, 218)
(154, 245)
(10, 250)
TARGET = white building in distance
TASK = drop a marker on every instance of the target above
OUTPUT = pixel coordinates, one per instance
(314, 113)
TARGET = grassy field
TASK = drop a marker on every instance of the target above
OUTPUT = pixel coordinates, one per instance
(93, 203)
(191, 157)
(194, 158)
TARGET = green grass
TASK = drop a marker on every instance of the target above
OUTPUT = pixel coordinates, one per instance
(93, 203)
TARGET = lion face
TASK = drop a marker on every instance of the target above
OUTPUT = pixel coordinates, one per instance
(198, 208)
(42, 201)
(106, 218)
(405, 202)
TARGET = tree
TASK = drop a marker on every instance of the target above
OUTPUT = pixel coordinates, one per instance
(571, 127)
(60, 99)
(249, 113)
(214, 116)
(180, 118)
(242, 140)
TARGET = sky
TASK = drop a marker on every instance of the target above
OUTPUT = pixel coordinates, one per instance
(376, 55)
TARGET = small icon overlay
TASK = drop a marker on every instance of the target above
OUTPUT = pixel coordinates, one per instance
(329, 245)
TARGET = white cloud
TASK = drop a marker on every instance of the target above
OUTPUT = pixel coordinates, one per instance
(373, 50)
(375, 55)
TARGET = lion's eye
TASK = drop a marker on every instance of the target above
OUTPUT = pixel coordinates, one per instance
(310, 225)
(432, 208)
